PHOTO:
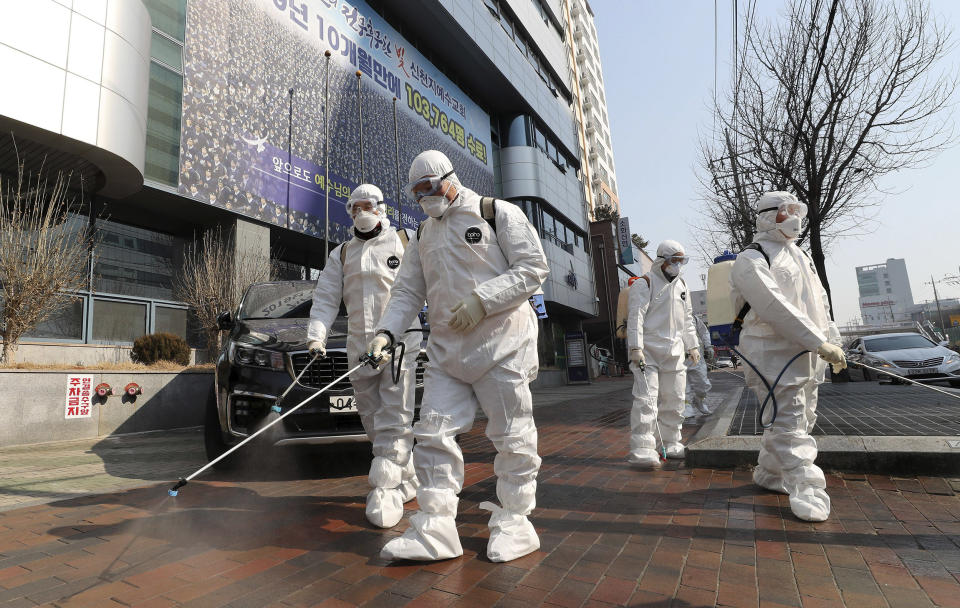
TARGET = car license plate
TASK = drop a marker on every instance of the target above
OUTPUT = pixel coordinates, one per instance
(343, 404)
(921, 370)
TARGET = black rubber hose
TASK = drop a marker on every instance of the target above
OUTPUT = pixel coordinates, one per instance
(770, 397)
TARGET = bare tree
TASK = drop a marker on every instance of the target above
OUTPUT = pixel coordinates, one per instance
(825, 103)
(44, 253)
(213, 277)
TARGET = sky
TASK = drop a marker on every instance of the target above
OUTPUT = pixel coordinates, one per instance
(658, 67)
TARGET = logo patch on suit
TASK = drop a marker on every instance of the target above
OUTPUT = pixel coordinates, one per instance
(393, 261)
(473, 235)
(683, 295)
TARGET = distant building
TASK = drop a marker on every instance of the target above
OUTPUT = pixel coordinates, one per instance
(590, 108)
(885, 296)
(699, 301)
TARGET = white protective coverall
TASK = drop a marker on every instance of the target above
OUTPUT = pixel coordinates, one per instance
(660, 323)
(386, 409)
(789, 313)
(698, 381)
(490, 366)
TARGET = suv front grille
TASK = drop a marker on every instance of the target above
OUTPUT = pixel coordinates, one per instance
(912, 364)
(323, 371)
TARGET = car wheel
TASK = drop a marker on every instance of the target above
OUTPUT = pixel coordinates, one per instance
(212, 438)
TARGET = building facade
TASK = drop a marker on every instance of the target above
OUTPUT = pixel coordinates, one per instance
(260, 116)
(590, 108)
(885, 295)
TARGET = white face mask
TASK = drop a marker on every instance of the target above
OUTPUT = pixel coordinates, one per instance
(434, 206)
(365, 221)
(671, 270)
(790, 227)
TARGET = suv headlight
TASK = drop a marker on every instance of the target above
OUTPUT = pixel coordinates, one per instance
(954, 358)
(256, 357)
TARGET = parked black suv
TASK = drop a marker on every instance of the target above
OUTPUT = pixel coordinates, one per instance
(264, 352)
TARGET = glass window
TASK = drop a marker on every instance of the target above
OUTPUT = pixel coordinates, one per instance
(64, 324)
(165, 50)
(521, 44)
(539, 139)
(551, 150)
(519, 133)
(135, 262)
(168, 16)
(506, 25)
(163, 124)
(492, 7)
(118, 321)
(171, 321)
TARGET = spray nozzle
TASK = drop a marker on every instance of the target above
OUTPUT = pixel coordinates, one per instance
(174, 490)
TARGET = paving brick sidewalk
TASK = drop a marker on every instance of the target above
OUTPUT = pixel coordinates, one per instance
(611, 536)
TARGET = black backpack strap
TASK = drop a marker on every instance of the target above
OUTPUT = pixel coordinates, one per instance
(420, 229)
(488, 211)
(738, 322)
(757, 247)
(404, 237)
(343, 253)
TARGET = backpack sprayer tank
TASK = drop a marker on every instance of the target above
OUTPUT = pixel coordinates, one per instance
(721, 309)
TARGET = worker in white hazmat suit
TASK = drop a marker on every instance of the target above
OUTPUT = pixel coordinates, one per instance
(789, 313)
(361, 272)
(477, 279)
(698, 380)
(660, 336)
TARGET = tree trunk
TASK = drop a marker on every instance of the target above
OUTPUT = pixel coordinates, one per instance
(816, 253)
(9, 348)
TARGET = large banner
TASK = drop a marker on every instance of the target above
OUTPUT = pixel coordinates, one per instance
(253, 112)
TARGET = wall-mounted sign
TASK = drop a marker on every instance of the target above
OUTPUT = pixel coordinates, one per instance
(79, 393)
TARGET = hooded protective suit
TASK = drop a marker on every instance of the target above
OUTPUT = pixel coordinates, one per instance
(789, 313)
(660, 324)
(698, 381)
(363, 281)
(458, 257)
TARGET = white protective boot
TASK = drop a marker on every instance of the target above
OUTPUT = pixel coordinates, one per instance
(432, 534)
(385, 500)
(646, 458)
(768, 481)
(408, 488)
(511, 534)
(676, 451)
(810, 504)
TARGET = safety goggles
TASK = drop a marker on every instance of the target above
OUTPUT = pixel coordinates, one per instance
(355, 206)
(678, 259)
(789, 208)
(426, 186)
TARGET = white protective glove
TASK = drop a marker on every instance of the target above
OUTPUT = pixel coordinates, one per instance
(694, 354)
(376, 346)
(833, 354)
(317, 347)
(636, 356)
(467, 313)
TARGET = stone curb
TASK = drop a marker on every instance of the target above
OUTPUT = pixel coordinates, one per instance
(712, 447)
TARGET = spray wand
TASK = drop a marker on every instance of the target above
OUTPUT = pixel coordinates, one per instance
(366, 359)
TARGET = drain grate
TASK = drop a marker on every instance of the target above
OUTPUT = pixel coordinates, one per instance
(867, 409)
